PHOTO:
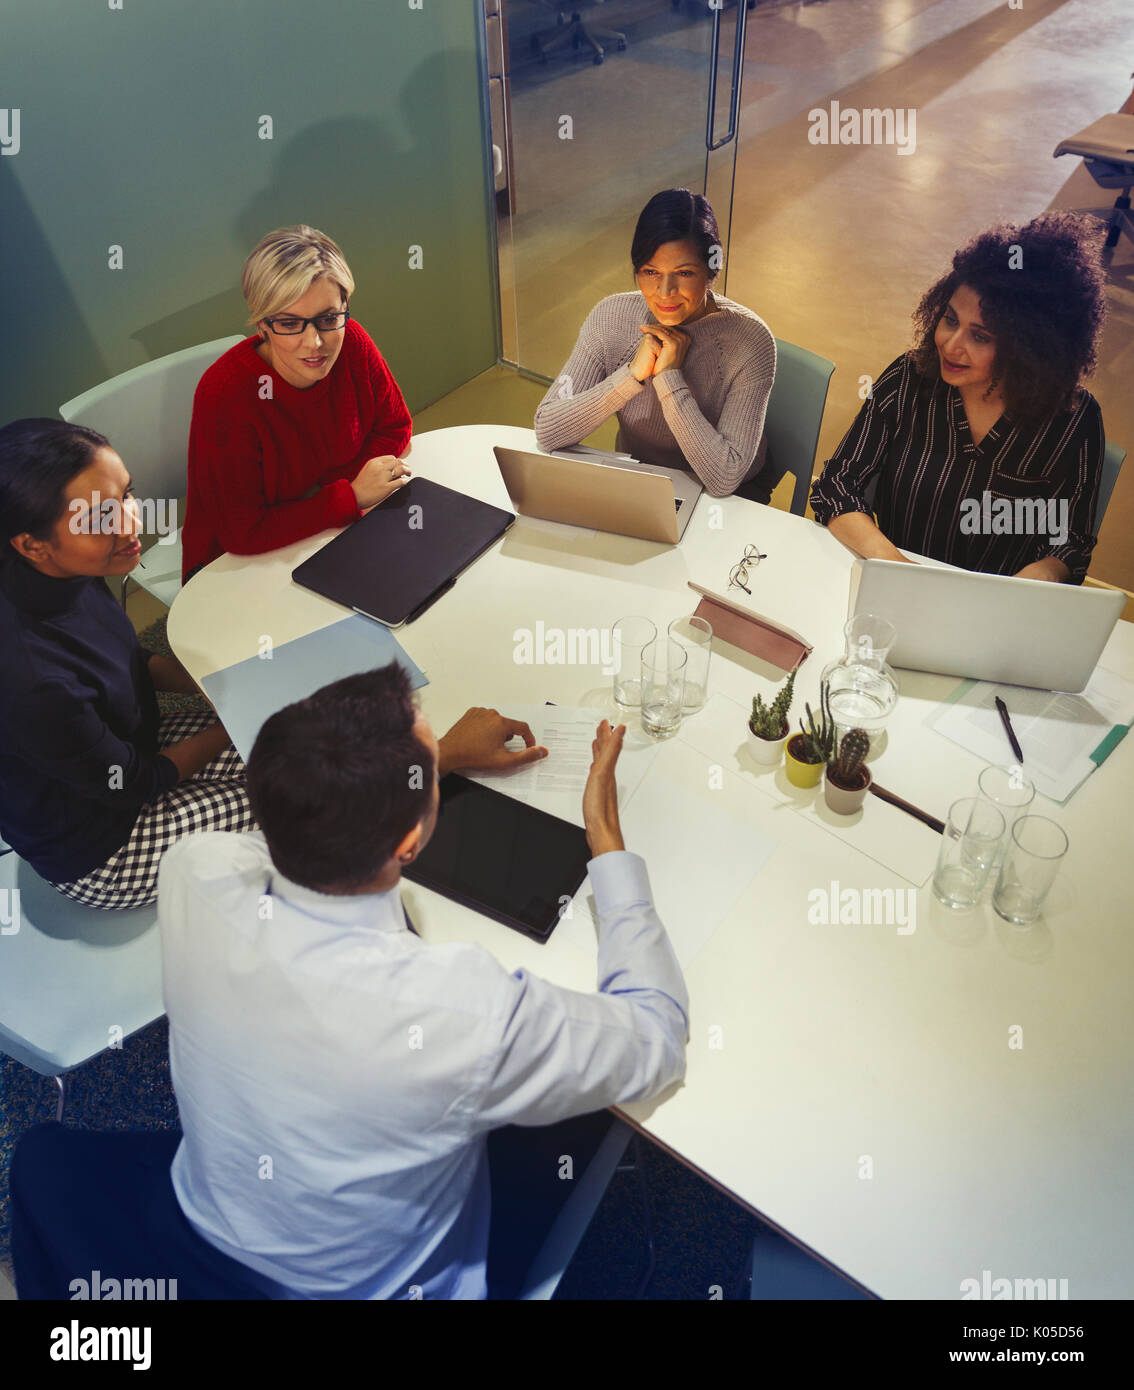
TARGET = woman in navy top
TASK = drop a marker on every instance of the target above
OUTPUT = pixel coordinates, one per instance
(94, 784)
(986, 448)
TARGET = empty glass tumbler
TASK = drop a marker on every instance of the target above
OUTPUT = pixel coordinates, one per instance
(969, 847)
(696, 636)
(1032, 858)
(663, 686)
(1011, 791)
(631, 636)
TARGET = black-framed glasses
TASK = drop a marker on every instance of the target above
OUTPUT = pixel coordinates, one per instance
(738, 575)
(288, 325)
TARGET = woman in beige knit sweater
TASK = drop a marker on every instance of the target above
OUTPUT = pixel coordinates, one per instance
(687, 372)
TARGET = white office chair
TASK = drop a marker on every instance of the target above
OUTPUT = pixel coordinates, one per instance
(145, 414)
(74, 981)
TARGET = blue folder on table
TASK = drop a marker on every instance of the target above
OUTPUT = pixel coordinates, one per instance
(247, 694)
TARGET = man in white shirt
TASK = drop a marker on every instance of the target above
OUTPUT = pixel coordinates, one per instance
(335, 1075)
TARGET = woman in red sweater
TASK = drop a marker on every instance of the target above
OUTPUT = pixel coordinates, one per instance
(299, 428)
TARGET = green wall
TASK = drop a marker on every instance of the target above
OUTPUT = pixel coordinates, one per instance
(139, 127)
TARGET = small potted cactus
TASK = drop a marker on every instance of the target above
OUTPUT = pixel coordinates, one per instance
(769, 725)
(809, 750)
(848, 778)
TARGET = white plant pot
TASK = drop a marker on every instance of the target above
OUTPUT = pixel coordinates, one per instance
(767, 751)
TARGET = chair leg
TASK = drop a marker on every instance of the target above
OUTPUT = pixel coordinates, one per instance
(578, 34)
(1118, 218)
(647, 1219)
(61, 1082)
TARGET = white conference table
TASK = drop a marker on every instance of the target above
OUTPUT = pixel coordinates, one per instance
(853, 1085)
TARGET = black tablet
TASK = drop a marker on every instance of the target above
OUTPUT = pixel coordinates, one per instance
(516, 864)
(399, 558)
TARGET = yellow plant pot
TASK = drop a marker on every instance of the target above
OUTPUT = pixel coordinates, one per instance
(800, 773)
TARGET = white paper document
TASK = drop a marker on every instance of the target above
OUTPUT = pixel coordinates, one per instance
(555, 783)
(1063, 737)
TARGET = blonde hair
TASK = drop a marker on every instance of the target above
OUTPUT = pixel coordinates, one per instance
(284, 266)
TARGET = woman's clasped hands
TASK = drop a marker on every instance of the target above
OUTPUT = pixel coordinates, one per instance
(662, 349)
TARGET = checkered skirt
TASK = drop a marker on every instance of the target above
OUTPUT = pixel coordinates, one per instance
(214, 798)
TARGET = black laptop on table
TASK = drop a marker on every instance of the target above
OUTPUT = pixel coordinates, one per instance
(399, 558)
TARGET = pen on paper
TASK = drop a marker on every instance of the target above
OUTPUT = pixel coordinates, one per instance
(1002, 709)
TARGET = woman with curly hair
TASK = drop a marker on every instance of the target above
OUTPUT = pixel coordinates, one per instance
(988, 401)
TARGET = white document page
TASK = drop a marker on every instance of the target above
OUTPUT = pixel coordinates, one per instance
(555, 783)
(1057, 732)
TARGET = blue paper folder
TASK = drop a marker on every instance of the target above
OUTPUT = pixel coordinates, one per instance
(247, 694)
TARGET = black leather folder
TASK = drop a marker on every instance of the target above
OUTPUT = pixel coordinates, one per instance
(398, 559)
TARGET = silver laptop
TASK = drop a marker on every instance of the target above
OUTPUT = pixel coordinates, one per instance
(990, 627)
(600, 491)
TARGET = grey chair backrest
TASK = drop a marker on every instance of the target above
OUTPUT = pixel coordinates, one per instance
(1111, 467)
(795, 413)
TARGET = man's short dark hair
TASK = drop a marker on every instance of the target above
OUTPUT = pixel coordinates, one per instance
(338, 780)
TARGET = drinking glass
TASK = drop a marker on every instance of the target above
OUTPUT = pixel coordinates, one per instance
(631, 635)
(696, 636)
(1032, 858)
(970, 843)
(1011, 791)
(663, 684)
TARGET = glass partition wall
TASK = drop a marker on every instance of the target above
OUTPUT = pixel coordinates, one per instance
(593, 116)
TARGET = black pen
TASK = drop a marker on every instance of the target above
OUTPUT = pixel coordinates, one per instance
(1008, 729)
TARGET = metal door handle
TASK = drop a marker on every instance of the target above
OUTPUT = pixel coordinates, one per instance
(737, 65)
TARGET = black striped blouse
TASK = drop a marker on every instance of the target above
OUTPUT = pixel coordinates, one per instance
(940, 494)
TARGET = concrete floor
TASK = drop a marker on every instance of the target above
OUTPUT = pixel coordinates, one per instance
(831, 245)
